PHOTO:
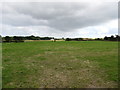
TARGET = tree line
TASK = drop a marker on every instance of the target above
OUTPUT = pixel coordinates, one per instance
(23, 38)
(111, 38)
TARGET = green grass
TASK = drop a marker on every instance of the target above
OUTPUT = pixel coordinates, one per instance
(67, 64)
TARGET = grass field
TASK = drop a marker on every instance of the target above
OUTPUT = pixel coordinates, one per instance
(68, 64)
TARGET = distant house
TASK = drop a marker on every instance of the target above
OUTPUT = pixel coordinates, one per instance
(53, 40)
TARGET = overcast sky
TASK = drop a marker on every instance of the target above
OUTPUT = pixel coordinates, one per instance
(60, 19)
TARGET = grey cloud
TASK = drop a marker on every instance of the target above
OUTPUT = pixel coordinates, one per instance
(91, 16)
(60, 16)
(50, 10)
(22, 20)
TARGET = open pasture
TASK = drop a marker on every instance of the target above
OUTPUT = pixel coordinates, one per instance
(67, 64)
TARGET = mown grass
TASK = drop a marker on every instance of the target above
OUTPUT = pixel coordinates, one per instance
(62, 64)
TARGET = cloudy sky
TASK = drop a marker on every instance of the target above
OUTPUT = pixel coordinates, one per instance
(60, 19)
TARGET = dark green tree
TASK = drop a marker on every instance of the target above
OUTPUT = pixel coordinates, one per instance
(67, 39)
(8, 39)
(18, 39)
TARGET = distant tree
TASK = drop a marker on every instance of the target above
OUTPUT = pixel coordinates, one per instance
(67, 39)
(46, 38)
(98, 39)
(112, 38)
(117, 37)
(15, 38)
(106, 38)
(0, 38)
(80, 39)
(62, 38)
(8, 39)
(32, 37)
(18, 39)
(37, 38)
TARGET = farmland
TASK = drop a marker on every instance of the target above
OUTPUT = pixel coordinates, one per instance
(67, 64)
